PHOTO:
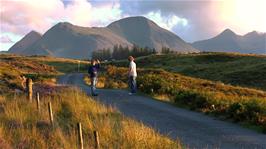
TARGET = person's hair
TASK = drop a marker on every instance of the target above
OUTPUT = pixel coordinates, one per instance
(93, 61)
(131, 58)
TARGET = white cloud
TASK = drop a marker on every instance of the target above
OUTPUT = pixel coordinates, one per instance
(5, 39)
(21, 16)
(167, 22)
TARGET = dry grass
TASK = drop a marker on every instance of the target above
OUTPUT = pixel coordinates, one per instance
(243, 105)
(22, 126)
(246, 70)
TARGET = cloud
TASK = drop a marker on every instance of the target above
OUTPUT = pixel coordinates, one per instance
(167, 22)
(205, 18)
(196, 19)
(191, 20)
(21, 16)
(5, 39)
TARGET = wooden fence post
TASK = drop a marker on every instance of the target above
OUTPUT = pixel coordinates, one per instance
(80, 138)
(96, 138)
(29, 88)
(38, 101)
(51, 113)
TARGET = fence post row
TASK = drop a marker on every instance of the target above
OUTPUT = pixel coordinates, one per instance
(80, 137)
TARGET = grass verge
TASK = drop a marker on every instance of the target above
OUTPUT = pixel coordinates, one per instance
(22, 126)
(241, 105)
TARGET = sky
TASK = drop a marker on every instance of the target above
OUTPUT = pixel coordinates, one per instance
(191, 20)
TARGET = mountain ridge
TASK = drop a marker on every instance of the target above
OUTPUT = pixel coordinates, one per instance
(25, 42)
(229, 41)
(71, 41)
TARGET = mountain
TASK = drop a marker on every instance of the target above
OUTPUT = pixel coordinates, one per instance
(144, 32)
(71, 41)
(25, 42)
(228, 41)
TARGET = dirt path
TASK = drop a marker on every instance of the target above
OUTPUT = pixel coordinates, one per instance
(194, 129)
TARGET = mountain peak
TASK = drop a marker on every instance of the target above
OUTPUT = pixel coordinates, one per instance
(64, 24)
(67, 40)
(25, 42)
(228, 32)
(251, 34)
(133, 20)
(34, 33)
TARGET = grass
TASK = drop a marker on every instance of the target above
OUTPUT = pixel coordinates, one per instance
(62, 65)
(13, 67)
(22, 126)
(242, 105)
(245, 70)
(39, 68)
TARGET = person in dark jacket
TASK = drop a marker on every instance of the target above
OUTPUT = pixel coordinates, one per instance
(93, 72)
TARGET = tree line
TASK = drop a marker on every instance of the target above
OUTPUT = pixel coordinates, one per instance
(119, 52)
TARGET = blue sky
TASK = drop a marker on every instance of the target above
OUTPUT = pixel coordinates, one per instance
(190, 19)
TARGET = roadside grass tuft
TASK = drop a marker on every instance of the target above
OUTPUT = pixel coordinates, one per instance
(22, 126)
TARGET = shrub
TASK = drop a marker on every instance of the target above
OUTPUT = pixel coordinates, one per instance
(237, 103)
(191, 99)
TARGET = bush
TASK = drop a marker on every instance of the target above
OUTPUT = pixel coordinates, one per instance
(191, 99)
(237, 103)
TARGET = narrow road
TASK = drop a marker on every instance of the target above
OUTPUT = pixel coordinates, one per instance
(195, 130)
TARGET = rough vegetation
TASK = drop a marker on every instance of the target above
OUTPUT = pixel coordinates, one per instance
(13, 68)
(245, 70)
(22, 126)
(239, 104)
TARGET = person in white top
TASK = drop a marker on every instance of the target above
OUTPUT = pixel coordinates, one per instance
(132, 74)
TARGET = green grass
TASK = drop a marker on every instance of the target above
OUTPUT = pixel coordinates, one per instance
(67, 67)
(242, 105)
(22, 126)
(230, 68)
(13, 67)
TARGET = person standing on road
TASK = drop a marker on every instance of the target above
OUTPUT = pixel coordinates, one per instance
(132, 74)
(93, 72)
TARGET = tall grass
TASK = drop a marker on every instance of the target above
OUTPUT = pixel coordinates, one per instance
(22, 126)
(240, 104)
(245, 70)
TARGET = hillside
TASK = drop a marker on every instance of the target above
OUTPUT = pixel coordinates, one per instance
(144, 32)
(228, 41)
(25, 42)
(12, 68)
(71, 41)
(22, 125)
(230, 68)
(238, 104)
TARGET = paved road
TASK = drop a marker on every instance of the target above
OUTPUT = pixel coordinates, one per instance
(194, 129)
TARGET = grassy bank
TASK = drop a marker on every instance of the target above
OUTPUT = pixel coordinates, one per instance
(230, 68)
(242, 105)
(22, 126)
(13, 67)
